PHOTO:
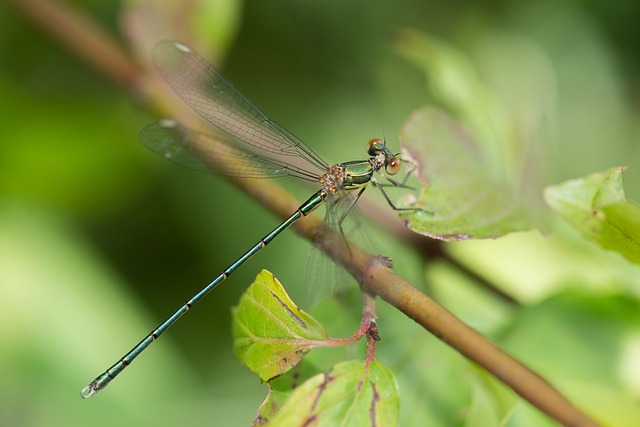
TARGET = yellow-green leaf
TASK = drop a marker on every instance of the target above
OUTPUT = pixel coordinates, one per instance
(351, 394)
(597, 207)
(271, 334)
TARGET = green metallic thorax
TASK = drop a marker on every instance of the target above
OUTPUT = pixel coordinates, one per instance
(357, 173)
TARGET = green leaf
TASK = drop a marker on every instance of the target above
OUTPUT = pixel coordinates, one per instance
(466, 202)
(275, 400)
(271, 334)
(597, 207)
(282, 387)
(351, 394)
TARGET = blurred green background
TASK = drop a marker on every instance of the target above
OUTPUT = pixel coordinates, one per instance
(101, 239)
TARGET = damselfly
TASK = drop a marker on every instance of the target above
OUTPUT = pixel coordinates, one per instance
(252, 146)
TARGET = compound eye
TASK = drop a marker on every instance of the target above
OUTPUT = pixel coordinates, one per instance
(374, 146)
(393, 166)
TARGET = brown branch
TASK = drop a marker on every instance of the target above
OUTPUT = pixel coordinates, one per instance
(91, 44)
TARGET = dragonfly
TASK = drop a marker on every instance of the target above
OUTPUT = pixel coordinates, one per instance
(251, 145)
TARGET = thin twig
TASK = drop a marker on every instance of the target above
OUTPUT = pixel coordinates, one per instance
(91, 44)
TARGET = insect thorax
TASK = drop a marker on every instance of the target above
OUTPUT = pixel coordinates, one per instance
(333, 179)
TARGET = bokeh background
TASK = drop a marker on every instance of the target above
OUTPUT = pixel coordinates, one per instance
(101, 239)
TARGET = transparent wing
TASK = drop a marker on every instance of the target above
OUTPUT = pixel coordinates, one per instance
(324, 277)
(210, 153)
(218, 101)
